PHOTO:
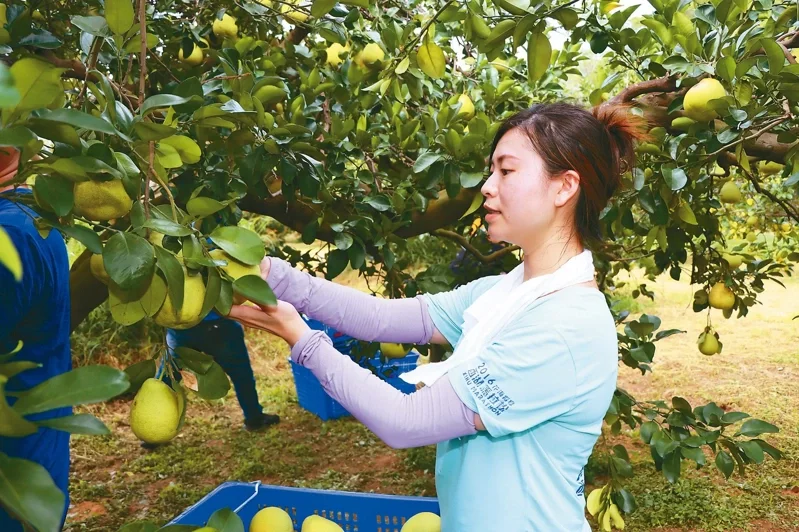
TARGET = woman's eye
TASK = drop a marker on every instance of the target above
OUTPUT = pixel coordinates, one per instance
(505, 171)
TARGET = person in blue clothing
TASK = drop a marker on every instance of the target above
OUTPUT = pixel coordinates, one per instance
(36, 311)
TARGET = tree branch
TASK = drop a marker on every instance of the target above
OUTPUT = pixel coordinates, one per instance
(464, 242)
(662, 84)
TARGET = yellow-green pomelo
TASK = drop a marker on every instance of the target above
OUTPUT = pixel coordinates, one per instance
(371, 54)
(721, 297)
(393, 350)
(226, 27)
(271, 519)
(333, 53)
(317, 523)
(696, 99)
(101, 200)
(423, 522)
(189, 314)
(97, 267)
(730, 193)
(467, 106)
(708, 344)
(155, 414)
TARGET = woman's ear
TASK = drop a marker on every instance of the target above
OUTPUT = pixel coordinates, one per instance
(569, 187)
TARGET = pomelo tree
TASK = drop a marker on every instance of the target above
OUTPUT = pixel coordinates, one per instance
(363, 125)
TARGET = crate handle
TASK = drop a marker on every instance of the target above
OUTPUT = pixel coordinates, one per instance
(257, 485)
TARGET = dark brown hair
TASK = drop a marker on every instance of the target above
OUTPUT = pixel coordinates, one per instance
(597, 144)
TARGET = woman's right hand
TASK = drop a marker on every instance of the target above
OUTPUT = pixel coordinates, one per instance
(266, 263)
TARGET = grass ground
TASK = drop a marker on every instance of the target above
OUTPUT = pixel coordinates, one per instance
(115, 481)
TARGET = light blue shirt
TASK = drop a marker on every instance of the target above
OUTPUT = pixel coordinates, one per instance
(542, 389)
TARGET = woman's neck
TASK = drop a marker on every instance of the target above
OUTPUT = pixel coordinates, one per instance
(549, 255)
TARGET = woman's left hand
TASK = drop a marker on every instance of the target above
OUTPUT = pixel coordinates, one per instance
(282, 320)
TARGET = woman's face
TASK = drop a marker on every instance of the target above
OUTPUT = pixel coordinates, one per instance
(520, 199)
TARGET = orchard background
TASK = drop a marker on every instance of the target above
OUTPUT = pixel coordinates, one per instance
(350, 138)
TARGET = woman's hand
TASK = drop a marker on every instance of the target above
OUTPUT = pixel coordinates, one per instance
(266, 263)
(282, 320)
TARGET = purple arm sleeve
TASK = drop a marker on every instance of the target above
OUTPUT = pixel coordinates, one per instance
(430, 415)
(350, 311)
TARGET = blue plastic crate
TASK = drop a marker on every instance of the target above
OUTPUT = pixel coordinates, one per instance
(354, 512)
(313, 398)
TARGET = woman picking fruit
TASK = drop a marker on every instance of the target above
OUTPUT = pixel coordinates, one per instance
(518, 407)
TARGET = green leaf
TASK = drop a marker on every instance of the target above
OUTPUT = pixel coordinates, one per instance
(168, 156)
(84, 235)
(78, 119)
(186, 147)
(80, 386)
(154, 297)
(254, 288)
(425, 160)
(773, 452)
(681, 405)
(93, 25)
(139, 372)
(173, 271)
(431, 60)
(648, 428)
(671, 466)
(214, 384)
(694, 453)
(9, 257)
(167, 227)
(66, 168)
(724, 463)
(775, 55)
(756, 427)
(17, 136)
(212, 290)
(77, 424)
(379, 202)
(9, 96)
(9, 369)
(96, 166)
(539, 52)
(618, 18)
(753, 451)
(38, 83)
(733, 417)
(151, 131)
(196, 361)
(675, 177)
(241, 244)
(686, 214)
(320, 8)
(129, 260)
(119, 14)
(343, 241)
(725, 68)
(55, 192)
(225, 520)
(337, 261)
(202, 206)
(124, 306)
(11, 422)
(161, 100)
(27, 490)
